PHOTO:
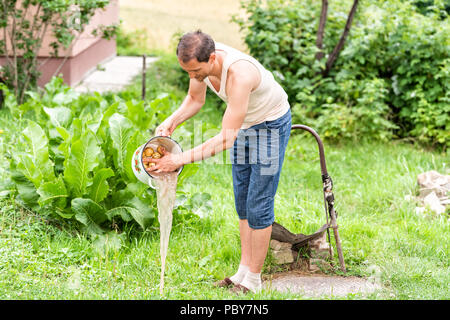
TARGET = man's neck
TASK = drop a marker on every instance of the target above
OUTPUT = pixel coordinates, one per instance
(217, 68)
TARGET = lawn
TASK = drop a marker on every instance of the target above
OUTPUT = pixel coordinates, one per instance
(380, 231)
(379, 228)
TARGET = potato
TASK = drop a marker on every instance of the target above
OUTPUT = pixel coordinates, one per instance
(151, 153)
(161, 150)
(148, 152)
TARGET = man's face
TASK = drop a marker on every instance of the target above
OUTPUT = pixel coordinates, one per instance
(198, 70)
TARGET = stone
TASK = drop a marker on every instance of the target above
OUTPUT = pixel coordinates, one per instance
(278, 245)
(283, 256)
(281, 252)
(433, 192)
(433, 202)
(420, 210)
(320, 248)
(319, 286)
(433, 181)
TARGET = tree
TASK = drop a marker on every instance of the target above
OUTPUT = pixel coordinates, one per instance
(23, 25)
(321, 29)
(320, 32)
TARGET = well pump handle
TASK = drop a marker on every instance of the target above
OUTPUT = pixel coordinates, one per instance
(328, 194)
(323, 166)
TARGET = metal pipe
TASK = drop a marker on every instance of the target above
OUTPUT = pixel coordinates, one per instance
(328, 194)
(144, 66)
(323, 166)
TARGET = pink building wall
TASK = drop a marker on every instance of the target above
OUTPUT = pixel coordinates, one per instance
(84, 54)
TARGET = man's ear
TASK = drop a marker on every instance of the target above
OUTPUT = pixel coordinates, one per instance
(212, 57)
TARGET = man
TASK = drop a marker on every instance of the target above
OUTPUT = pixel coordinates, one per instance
(257, 109)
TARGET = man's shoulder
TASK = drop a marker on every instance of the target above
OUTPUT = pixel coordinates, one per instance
(242, 74)
(242, 68)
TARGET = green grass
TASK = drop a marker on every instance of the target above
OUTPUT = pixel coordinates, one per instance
(378, 227)
(42, 258)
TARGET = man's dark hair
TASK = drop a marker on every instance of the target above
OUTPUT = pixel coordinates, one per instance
(197, 45)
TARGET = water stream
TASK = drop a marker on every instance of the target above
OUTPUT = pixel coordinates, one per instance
(166, 185)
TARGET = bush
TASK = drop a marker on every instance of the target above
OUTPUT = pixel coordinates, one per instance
(390, 80)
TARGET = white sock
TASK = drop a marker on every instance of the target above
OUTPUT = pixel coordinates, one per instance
(240, 274)
(252, 281)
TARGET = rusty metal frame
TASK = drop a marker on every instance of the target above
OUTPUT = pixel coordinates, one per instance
(327, 194)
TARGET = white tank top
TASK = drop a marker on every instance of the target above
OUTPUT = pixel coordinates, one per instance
(267, 102)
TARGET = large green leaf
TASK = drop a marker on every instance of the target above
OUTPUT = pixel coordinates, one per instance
(143, 214)
(122, 131)
(104, 123)
(100, 187)
(90, 214)
(137, 189)
(65, 97)
(77, 129)
(59, 116)
(53, 192)
(25, 188)
(38, 144)
(84, 155)
(26, 165)
(123, 211)
(132, 145)
(64, 146)
(137, 114)
(130, 207)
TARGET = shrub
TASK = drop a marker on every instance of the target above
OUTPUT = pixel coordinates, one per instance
(390, 80)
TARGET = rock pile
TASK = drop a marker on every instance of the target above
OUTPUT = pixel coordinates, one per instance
(434, 191)
(315, 257)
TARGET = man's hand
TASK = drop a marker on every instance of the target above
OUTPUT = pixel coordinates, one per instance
(168, 163)
(165, 129)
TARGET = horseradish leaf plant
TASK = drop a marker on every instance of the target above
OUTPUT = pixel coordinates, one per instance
(72, 160)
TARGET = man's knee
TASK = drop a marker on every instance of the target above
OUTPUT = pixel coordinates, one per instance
(260, 222)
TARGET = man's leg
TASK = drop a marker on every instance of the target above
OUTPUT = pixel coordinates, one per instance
(260, 239)
(246, 242)
(246, 252)
(264, 180)
(241, 176)
(254, 245)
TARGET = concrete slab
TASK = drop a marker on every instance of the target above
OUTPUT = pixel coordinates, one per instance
(319, 286)
(113, 75)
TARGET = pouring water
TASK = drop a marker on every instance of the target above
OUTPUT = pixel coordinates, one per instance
(165, 185)
(166, 192)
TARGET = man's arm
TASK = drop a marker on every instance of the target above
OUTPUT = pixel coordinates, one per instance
(191, 105)
(242, 79)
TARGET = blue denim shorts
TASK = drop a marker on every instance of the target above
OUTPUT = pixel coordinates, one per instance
(257, 157)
